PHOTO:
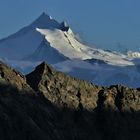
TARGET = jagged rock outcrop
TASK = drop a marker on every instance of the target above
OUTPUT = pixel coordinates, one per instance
(63, 90)
(65, 108)
(66, 91)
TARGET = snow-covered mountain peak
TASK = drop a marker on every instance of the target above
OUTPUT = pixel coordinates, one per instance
(44, 16)
(45, 39)
(24, 42)
(45, 21)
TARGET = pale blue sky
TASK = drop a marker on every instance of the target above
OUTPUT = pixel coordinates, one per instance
(106, 23)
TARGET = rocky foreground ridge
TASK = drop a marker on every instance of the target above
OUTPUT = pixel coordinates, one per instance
(49, 105)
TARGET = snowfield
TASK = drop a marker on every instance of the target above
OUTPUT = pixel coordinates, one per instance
(67, 45)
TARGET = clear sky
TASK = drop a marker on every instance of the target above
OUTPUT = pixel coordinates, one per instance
(106, 23)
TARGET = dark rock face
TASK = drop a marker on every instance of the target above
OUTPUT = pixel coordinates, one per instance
(60, 107)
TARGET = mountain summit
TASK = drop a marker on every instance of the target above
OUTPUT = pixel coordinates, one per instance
(45, 21)
(59, 36)
(26, 40)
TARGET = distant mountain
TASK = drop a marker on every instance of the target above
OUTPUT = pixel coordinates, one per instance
(101, 73)
(26, 41)
(59, 37)
(55, 43)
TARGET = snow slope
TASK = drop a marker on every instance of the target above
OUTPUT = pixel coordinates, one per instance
(67, 45)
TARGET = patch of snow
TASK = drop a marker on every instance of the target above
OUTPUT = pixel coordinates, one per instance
(51, 17)
(133, 54)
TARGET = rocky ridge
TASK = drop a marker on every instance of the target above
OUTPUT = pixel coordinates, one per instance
(65, 108)
(67, 91)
